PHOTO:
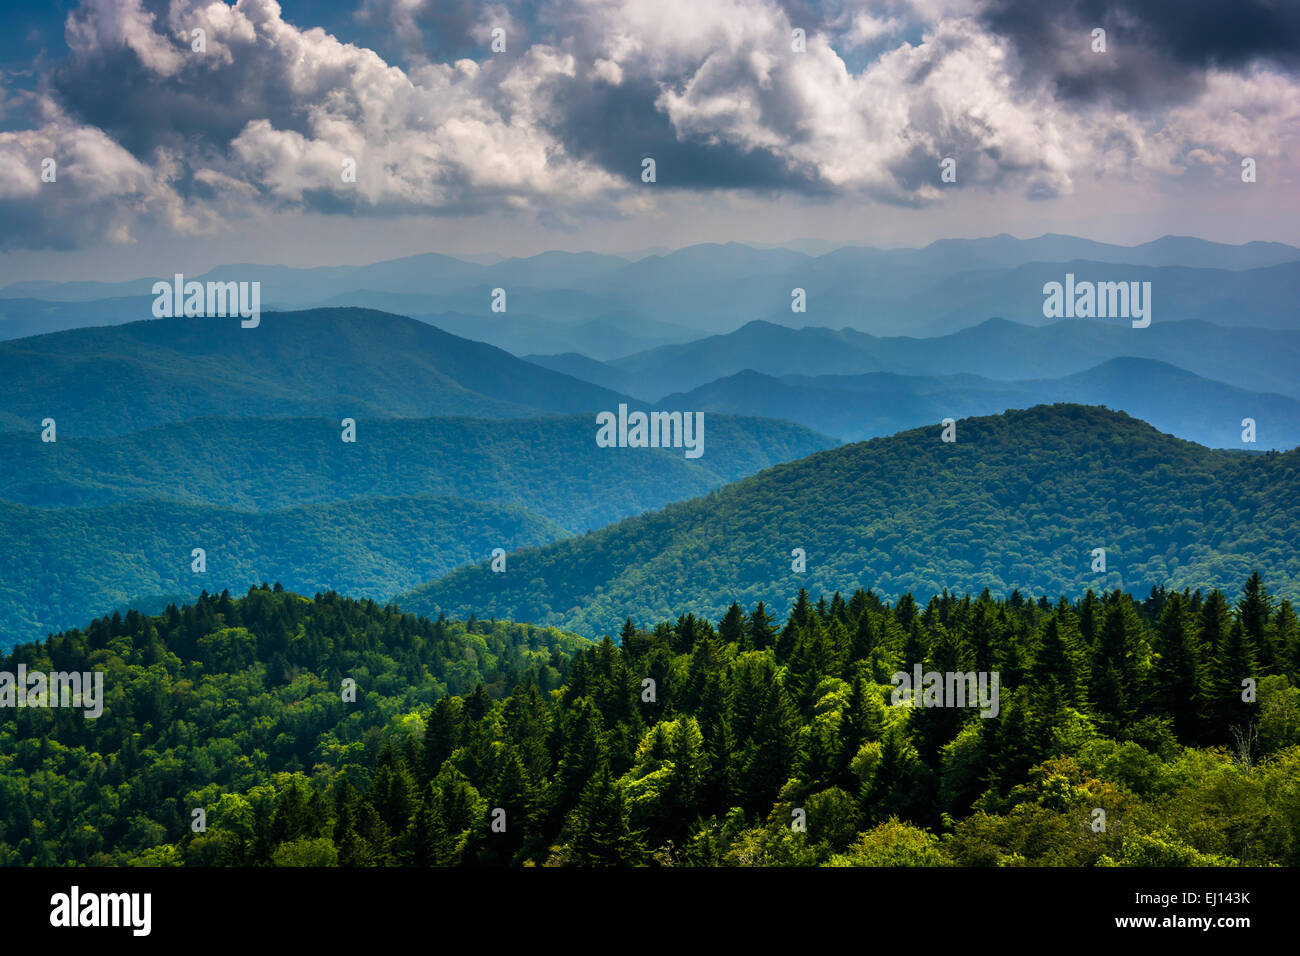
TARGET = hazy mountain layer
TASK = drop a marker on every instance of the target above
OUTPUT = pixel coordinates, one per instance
(1263, 360)
(325, 362)
(855, 407)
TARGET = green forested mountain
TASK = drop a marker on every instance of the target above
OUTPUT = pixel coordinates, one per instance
(64, 565)
(1121, 736)
(1019, 500)
(95, 524)
(324, 362)
(551, 466)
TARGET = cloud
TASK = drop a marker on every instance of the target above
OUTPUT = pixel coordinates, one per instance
(1157, 52)
(96, 191)
(729, 80)
(269, 115)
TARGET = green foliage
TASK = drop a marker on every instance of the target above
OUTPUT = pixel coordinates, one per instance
(1017, 502)
(490, 743)
(235, 706)
(61, 566)
(94, 524)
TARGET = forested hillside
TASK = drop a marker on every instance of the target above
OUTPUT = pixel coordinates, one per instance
(550, 466)
(356, 363)
(1019, 500)
(755, 742)
(97, 523)
(60, 566)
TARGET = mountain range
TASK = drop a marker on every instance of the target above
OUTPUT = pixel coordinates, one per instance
(471, 435)
(550, 467)
(61, 566)
(156, 454)
(1253, 359)
(713, 288)
(1019, 500)
(340, 363)
(854, 407)
(94, 524)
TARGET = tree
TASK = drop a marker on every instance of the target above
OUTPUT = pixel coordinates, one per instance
(1255, 611)
(600, 835)
(1175, 674)
(731, 629)
(761, 633)
(442, 735)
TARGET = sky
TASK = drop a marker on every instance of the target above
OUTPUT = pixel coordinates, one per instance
(767, 120)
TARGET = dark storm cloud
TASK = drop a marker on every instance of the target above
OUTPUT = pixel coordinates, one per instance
(28, 224)
(142, 113)
(617, 126)
(1157, 50)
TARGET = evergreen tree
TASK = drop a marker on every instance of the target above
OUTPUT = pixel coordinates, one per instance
(599, 825)
(442, 735)
(731, 629)
(761, 633)
(1175, 675)
(1255, 611)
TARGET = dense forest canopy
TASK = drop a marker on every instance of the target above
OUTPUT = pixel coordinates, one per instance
(759, 741)
(95, 524)
(1019, 500)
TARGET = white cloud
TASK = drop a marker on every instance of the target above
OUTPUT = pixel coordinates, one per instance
(468, 136)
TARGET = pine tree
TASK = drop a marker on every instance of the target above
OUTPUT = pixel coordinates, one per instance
(864, 639)
(512, 792)
(690, 771)
(583, 753)
(393, 795)
(1255, 611)
(599, 825)
(731, 629)
(627, 635)
(1235, 664)
(901, 784)
(1119, 662)
(478, 704)
(1060, 668)
(1287, 628)
(761, 633)
(800, 619)
(768, 756)
(719, 744)
(1175, 676)
(1212, 637)
(442, 735)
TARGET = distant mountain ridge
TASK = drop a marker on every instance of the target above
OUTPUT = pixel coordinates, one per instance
(337, 362)
(93, 524)
(711, 288)
(1253, 359)
(855, 407)
(426, 272)
(61, 566)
